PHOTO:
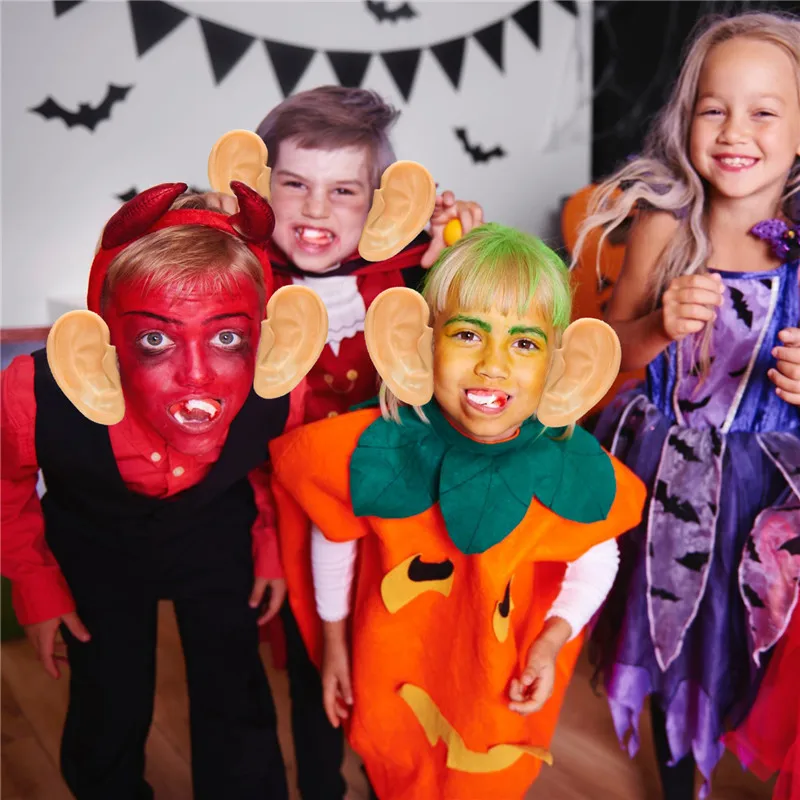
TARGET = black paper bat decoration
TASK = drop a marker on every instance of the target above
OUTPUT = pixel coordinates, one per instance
(133, 191)
(683, 448)
(681, 509)
(740, 307)
(382, 12)
(476, 151)
(87, 115)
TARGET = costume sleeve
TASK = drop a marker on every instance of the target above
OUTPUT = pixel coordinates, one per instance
(39, 589)
(587, 582)
(297, 406)
(332, 565)
(568, 541)
(266, 560)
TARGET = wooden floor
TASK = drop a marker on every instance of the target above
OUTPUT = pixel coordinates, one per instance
(589, 765)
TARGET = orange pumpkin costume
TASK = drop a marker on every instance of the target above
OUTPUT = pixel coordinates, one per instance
(437, 635)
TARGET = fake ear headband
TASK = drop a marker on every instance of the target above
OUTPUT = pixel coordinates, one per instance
(401, 206)
(149, 212)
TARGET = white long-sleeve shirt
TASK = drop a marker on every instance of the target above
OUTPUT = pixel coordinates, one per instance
(586, 583)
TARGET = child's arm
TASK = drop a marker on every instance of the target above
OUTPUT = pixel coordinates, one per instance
(267, 569)
(42, 599)
(587, 582)
(266, 559)
(687, 305)
(332, 565)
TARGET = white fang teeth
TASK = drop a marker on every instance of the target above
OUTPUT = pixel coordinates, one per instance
(202, 405)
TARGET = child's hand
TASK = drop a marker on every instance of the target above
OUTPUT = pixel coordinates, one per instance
(786, 374)
(43, 638)
(277, 587)
(533, 688)
(447, 207)
(337, 694)
(689, 303)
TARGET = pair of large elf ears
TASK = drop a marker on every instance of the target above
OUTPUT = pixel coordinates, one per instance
(401, 207)
(84, 363)
(399, 341)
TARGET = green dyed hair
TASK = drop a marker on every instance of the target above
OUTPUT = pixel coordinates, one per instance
(495, 267)
(500, 267)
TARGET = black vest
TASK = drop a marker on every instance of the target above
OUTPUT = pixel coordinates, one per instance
(91, 517)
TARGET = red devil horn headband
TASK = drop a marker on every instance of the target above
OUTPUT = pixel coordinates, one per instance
(150, 211)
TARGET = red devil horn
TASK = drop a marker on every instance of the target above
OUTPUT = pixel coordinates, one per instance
(255, 220)
(140, 213)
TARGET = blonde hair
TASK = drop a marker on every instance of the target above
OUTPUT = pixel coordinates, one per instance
(663, 178)
(186, 257)
(494, 267)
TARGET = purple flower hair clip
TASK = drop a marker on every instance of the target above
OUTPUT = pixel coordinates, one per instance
(784, 240)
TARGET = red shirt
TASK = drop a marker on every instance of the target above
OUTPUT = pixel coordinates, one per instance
(147, 465)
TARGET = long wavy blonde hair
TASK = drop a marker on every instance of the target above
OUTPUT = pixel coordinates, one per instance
(663, 177)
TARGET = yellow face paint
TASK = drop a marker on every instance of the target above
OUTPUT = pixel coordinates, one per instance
(413, 577)
(459, 756)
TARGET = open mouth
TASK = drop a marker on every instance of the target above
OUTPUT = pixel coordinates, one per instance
(198, 412)
(735, 163)
(313, 239)
(489, 401)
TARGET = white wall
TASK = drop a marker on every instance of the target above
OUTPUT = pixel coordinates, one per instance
(59, 184)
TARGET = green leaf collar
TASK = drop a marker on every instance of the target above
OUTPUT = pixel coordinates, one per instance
(484, 490)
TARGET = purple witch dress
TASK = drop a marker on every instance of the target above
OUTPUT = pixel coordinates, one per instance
(708, 581)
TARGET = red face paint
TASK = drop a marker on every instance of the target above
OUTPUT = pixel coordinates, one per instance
(186, 361)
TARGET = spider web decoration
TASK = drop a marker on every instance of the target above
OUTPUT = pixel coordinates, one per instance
(634, 70)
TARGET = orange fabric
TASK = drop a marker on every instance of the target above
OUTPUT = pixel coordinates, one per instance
(591, 294)
(444, 645)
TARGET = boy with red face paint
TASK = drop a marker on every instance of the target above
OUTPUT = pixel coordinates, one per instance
(328, 148)
(170, 502)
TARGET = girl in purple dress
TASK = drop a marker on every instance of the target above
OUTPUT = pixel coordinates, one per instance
(708, 299)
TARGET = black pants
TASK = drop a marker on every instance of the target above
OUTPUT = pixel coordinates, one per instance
(235, 750)
(318, 746)
(677, 782)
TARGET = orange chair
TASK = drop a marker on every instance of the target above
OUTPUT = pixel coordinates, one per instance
(593, 291)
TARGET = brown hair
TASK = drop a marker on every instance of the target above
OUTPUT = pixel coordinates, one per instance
(188, 257)
(333, 117)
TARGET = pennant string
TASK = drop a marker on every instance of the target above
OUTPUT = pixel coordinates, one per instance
(153, 20)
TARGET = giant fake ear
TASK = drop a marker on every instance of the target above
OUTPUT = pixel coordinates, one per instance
(84, 365)
(292, 338)
(401, 208)
(400, 344)
(239, 156)
(582, 371)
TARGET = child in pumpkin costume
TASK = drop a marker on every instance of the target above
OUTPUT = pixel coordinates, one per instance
(469, 510)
